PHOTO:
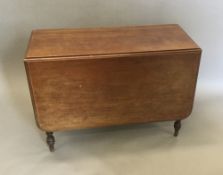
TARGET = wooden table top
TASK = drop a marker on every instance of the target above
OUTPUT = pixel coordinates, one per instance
(51, 43)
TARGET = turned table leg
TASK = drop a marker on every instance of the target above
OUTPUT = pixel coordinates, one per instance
(50, 140)
(177, 126)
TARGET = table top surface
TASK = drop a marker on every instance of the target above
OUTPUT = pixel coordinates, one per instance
(51, 43)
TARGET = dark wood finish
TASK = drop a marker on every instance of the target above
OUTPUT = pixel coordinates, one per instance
(85, 78)
(50, 140)
(177, 126)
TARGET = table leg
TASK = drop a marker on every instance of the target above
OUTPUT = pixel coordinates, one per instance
(177, 126)
(50, 141)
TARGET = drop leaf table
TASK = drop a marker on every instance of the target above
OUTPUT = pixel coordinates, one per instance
(99, 77)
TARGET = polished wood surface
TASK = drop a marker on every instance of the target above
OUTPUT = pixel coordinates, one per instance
(144, 80)
(104, 41)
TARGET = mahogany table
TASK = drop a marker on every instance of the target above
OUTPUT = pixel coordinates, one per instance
(99, 77)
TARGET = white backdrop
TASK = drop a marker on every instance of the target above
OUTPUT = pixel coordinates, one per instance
(201, 19)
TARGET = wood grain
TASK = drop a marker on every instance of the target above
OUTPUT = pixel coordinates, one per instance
(93, 93)
(85, 78)
(105, 41)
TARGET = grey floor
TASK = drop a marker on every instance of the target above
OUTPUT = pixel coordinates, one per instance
(133, 150)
